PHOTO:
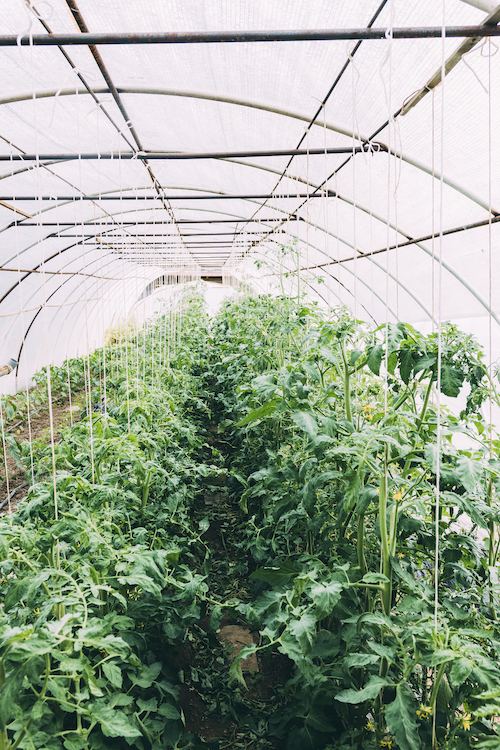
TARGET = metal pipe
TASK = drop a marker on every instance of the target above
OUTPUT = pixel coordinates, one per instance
(215, 196)
(151, 234)
(80, 22)
(425, 238)
(157, 155)
(487, 7)
(466, 46)
(213, 37)
(255, 105)
(334, 85)
(150, 223)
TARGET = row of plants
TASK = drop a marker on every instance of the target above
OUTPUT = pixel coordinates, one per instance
(347, 470)
(102, 566)
(342, 468)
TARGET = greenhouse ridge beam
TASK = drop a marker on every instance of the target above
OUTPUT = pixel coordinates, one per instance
(156, 155)
(214, 37)
(89, 223)
(216, 196)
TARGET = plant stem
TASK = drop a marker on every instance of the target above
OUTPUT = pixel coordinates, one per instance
(145, 490)
(347, 384)
(433, 702)
(385, 552)
(426, 403)
(360, 543)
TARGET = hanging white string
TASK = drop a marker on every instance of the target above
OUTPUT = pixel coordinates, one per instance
(48, 357)
(84, 259)
(439, 323)
(26, 383)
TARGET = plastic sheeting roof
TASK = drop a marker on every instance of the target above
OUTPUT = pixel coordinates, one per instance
(70, 267)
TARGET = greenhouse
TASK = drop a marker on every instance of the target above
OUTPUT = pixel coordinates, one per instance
(249, 375)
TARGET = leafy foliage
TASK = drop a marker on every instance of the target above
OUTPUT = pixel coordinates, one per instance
(331, 464)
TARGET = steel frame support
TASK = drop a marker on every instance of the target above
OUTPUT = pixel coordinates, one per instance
(214, 37)
(215, 196)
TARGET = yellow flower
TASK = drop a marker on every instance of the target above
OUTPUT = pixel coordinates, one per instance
(398, 496)
(36, 611)
(424, 711)
(386, 743)
(400, 555)
(370, 726)
(467, 722)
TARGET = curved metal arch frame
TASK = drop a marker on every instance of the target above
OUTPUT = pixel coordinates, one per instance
(367, 256)
(448, 268)
(253, 105)
(345, 242)
(122, 280)
(293, 236)
(70, 277)
(318, 249)
(356, 205)
(119, 280)
(94, 309)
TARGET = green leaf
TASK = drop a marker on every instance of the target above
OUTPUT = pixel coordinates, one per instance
(425, 362)
(405, 364)
(215, 619)
(114, 723)
(169, 711)
(148, 675)
(328, 355)
(395, 334)
(469, 472)
(443, 655)
(317, 720)
(263, 411)
(452, 379)
(74, 741)
(235, 672)
(360, 660)
(375, 578)
(369, 692)
(355, 355)
(265, 385)
(325, 597)
(374, 356)
(353, 486)
(276, 575)
(113, 673)
(392, 361)
(149, 705)
(401, 718)
(460, 671)
(387, 652)
(9, 697)
(367, 496)
(306, 422)
(304, 630)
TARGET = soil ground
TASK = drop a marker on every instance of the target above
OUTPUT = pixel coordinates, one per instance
(204, 659)
(38, 428)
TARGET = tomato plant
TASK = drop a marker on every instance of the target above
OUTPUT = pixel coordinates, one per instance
(329, 453)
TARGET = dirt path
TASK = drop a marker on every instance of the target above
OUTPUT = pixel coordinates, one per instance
(216, 710)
